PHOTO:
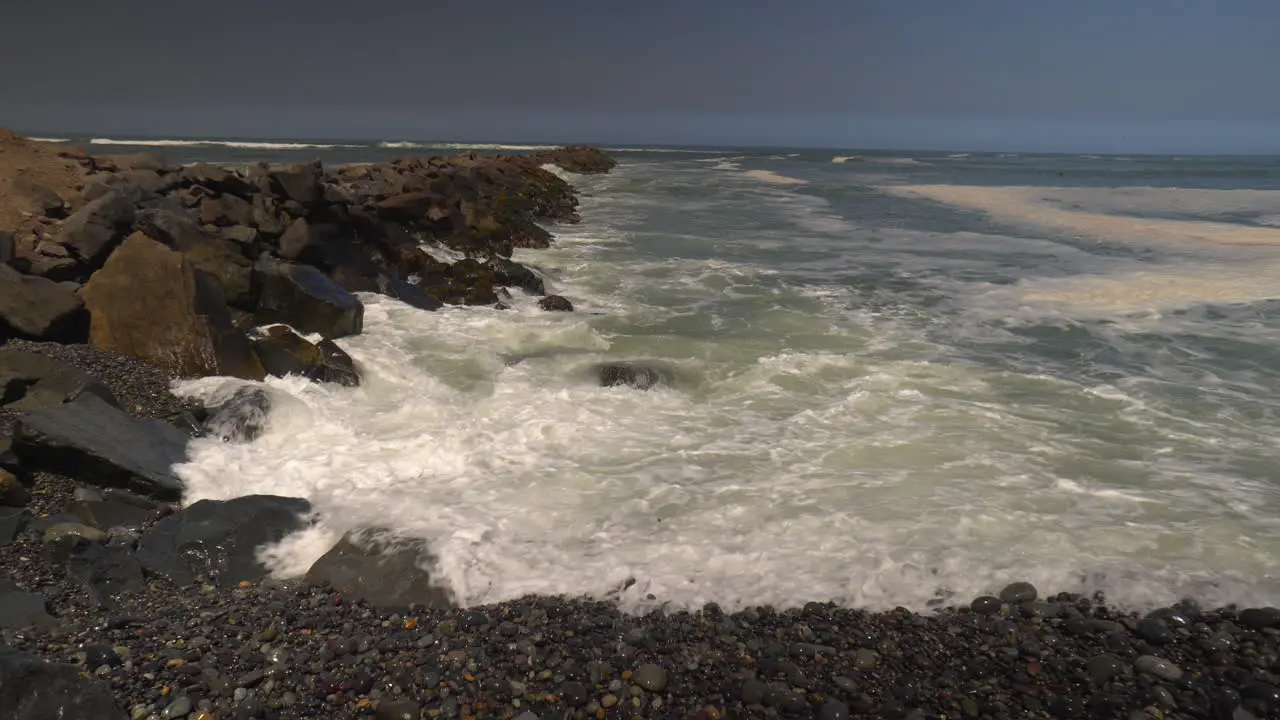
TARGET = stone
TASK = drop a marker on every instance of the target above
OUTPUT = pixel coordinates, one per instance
(107, 572)
(20, 609)
(30, 380)
(1019, 592)
(88, 438)
(134, 161)
(34, 689)
(12, 492)
(650, 677)
(12, 521)
(40, 309)
(407, 293)
(225, 211)
(220, 259)
(41, 198)
(410, 206)
(555, 303)
(513, 274)
(283, 352)
(385, 572)
(1161, 668)
(218, 179)
(397, 710)
(217, 541)
(242, 417)
(300, 183)
(1155, 630)
(117, 509)
(91, 233)
(150, 302)
(638, 376)
(1260, 618)
(305, 299)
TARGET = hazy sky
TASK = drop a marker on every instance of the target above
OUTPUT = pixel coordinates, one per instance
(1087, 75)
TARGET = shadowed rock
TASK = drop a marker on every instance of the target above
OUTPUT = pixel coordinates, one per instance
(150, 302)
(304, 298)
(40, 309)
(93, 230)
(555, 303)
(29, 381)
(383, 572)
(283, 352)
(91, 440)
(19, 609)
(217, 541)
(34, 689)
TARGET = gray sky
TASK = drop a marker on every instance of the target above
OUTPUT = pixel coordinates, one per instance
(1087, 75)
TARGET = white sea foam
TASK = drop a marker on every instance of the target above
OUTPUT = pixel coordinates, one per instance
(49, 140)
(841, 159)
(812, 446)
(774, 178)
(243, 144)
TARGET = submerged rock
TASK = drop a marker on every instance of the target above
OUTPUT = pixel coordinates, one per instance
(218, 541)
(283, 352)
(635, 375)
(241, 417)
(555, 303)
(384, 573)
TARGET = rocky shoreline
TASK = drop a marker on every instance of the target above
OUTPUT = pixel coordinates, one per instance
(120, 274)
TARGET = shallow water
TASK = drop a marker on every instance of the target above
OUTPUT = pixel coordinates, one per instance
(893, 375)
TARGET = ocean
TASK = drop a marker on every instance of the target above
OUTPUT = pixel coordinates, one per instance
(899, 378)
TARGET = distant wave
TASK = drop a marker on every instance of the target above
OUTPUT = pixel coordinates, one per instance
(896, 161)
(484, 146)
(389, 145)
(841, 159)
(222, 143)
(774, 178)
(663, 150)
(49, 140)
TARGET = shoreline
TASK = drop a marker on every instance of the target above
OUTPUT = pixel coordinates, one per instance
(113, 588)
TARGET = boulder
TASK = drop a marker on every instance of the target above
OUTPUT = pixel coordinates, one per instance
(317, 244)
(40, 309)
(150, 302)
(300, 183)
(406, 293)
(411, 207)
(40, 198)
(89, 439)
(91, 233)
(135, 185)
(217, 179)
(241, 417)
(106, 572)
(306, 299)
(513, 274)
(111, 508)
(12, 492)
(225, 211)
(34, 689)
(266, 216)
(635, 375)
(240, 234)
(135, 161)
(384, 572)
(222, 260)
(283, 352)
(217, 541)
(29, 381)
(19, 610)
(555, 303)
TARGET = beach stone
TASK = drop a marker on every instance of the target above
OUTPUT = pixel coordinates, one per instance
(1159, 667)
(242, 417)
(12, 492)
(1019, 592)
(385, 572)
(640, 377)
(6, 247)
(985, 605)
(753, 692)
(90, 439)
(21, 609)
(40, 309)
(650, 677)
(555, 303)
(152, 303)
(305, 299)
(33, 689)
(833, 710)
(397, 710)
(93, 231)
(217, 541)
(1103, 668)
(1260, 618)
(283, 352)
(30, 380)
(1155, 630)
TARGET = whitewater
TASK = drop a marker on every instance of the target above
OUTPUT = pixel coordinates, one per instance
(895, 378)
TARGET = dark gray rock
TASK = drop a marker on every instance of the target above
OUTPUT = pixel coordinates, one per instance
(29, 381)
(107, 572)
(1019, 592)
(111, 509)
(985, 605)
(93, 231)
(305, 299)
(513, 274)
(12, 521)
(300, 183)
(555, 303)
(241, 417)
(88, 438)
(219, 259)
(217, 541)
(386, 573)
(40, 309)
(407, 293)
(398, 710)
(1260, 618)
(225, 211)
(6, 247)
(34, 689)
(283, 352)
(1155, 630)
(635, 375)
(20, 609)
(217, 179)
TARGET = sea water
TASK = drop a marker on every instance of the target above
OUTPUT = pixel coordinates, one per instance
(894, 377)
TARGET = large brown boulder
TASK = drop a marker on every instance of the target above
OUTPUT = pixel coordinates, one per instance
(221, 259)
(41, 309)
(151, 302)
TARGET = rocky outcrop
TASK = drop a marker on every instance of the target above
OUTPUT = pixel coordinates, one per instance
(94, 230)
(242, 417)
(90, 439)
(385, 572)
(217, 541)
(150, 302)
(306, 299)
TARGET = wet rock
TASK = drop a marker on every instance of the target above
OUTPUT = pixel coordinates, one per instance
(1157, 666)
(150, 302)
(1155, 630)
(217, 541)
(650, 677)
(20, 609)
(513, 274)
(385, 572)
(107, 571)
(1017, 593)
(33, 689)
(406, 293)
(111, 508)
(241, 417)
(89, 439)
(634, 375)
(1260, 618)
(40, 309)
(305, 299)
(93, 231)
(29, 381)
(283, 352)
(555, 303)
